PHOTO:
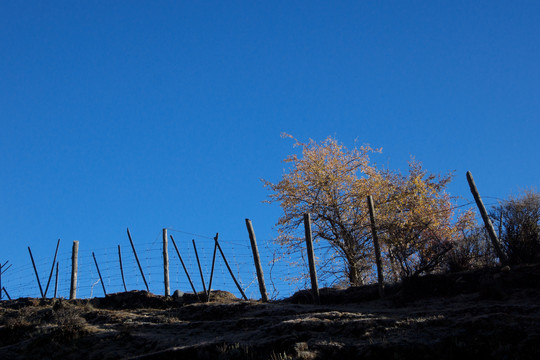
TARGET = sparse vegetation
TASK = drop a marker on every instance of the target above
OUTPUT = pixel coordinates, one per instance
(68, 321)
(492, 313)
(518, 222)
(472, 251)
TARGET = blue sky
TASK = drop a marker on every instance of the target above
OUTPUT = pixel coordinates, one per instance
(152, 114)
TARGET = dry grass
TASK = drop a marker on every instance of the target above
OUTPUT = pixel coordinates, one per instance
(422, 319)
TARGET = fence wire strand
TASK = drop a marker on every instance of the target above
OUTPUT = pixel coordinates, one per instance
(282, 279)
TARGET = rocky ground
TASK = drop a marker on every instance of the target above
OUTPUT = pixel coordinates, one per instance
(484, 314)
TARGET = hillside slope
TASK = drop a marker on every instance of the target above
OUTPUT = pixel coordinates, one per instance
(484, 314)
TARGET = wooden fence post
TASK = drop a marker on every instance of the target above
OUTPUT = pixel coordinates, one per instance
(311, 259)
(6, 269)
(35, 270)
(99, 273)
(121, 268)
(56, 282)
(137, 259)
(1, 266)
(257, 260)
(74, 269)
(200, 268)
(378, 261)
(487, 222)
(166, 263)
(52, 269)
(212, 271)
(229, 268)
(9, 297)
(185, 269)
(2, 271)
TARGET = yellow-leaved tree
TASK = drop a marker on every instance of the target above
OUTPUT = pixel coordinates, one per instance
(415, 216)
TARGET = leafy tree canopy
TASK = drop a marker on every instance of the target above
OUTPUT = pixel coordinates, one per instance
(415, 215)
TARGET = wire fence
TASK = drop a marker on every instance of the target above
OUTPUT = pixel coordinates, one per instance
(281, 277)
(20, 280)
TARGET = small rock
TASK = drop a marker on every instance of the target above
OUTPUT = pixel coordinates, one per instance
(177, 294)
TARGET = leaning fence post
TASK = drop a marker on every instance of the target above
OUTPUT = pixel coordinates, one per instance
(257, 260)
(376, 246)
(1, 266)
(311, 259)
(35, 270)
(137, 259)
(121, 268)
(56, 282)
(74, 269)
(99, 273)
(2, 270)
(229, 268)
(200, 268)
(6, 269)
(487, 222)
(52, 269)
(9, 297)
(212, 271)
(185, 269)
(166, 263)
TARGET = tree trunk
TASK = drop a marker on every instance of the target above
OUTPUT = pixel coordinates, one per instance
(354, 273)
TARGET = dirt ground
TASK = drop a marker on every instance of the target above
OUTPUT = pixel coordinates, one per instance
(485, 314)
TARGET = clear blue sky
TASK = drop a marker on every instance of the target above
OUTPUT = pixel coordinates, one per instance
(152, 114)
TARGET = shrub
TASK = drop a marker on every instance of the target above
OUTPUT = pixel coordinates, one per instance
(69, 323)
(518, 222)
(472, 251)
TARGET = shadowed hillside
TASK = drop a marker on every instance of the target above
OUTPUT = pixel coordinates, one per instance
(493, 313)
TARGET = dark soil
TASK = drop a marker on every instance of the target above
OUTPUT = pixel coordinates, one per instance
(486, 314)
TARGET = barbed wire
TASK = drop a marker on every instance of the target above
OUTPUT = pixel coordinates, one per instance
(192, 234)
(21, 281)
(282, 279)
